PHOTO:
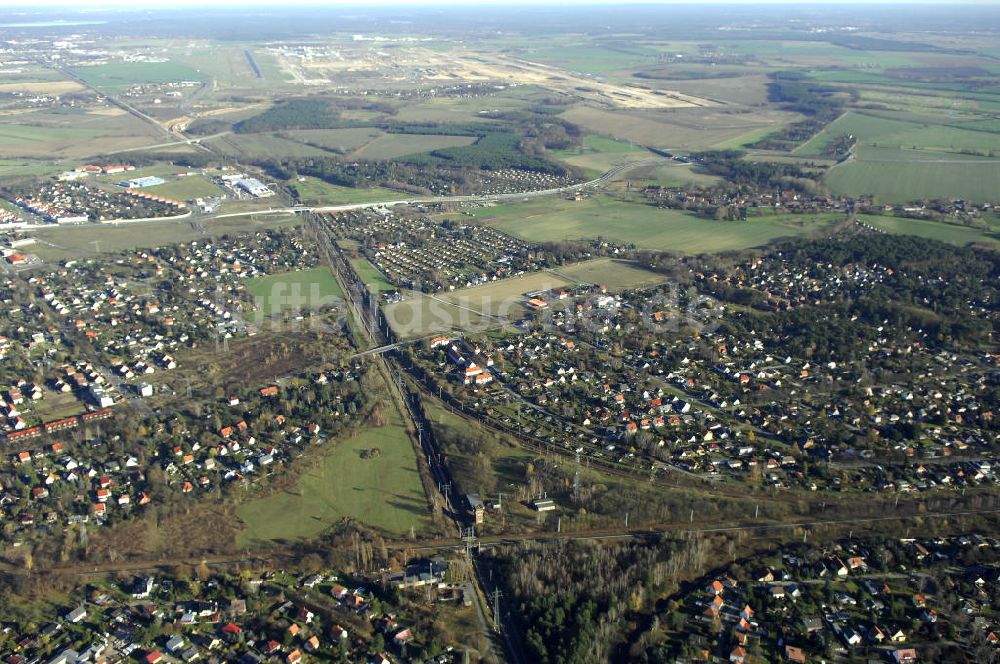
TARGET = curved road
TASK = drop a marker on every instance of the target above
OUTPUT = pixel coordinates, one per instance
(491, 198)
(472, 198)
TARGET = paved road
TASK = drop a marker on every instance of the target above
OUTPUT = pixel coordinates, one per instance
(594, 184)
(430, 200)
(190, 141)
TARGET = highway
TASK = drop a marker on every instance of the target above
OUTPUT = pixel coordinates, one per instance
(472, 198)
(594, 184)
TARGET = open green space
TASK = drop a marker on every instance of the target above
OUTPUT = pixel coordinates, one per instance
(594, 58)
(682, 129)
(384, 491)
(478, 307)
(119, 76)
(56, 244)
(666, 174)
(222, 62)
(186, 188)
(371, 276)
(391, 146)
(897, 180)
(341, 140)
(612, 273)
(19, 135)
(21, 167)
(297, 290)
(740, 142)
(933, 230)
(885, 132)
(419, 315)
(599, 154)
(266, 145)
(158, 169)
(645, 226)
(315, 191)
(461, 110)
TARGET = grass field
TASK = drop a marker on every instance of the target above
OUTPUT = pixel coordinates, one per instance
(615, 274)
(594, 59)
(344, 140)
(950, 233)
(370, 275)
(314, 190)
(644, 226)
(392, 146)
(82, 241)
(450, 109)
(119, 76)
(893, 179)
(667, 174)
(22, 135)
(505, 297)
(478, 308)
(276, 294)
(71, 134)
(21, 167)
(599, 154)
(684, 129)
(740, 142)
(420, 315)
(223, 63)
(383, 492)
(886, 132)
(186, 188)
(266, 145)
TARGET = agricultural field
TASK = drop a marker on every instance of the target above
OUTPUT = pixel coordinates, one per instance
(265, 145)
(23, 139)
(463, 110)
(384, 492)
(683, 129)
(392, 146)
(73, 134)
(737, 85)
(893, 179)
(594, 58)
(43, 87)
(883, 132)
(277, 294)
(645, 226)
(340, 140)
(115, 77)
(599, 154)
(899, 161)
(743, 141)
(22, 167)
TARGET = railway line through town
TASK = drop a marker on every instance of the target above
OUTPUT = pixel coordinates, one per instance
(363, 308)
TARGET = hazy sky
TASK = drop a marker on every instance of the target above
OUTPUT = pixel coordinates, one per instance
(13, 6)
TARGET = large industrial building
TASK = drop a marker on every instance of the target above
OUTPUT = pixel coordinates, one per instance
(254, 187)
(139, 183)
